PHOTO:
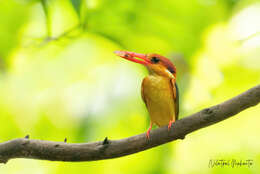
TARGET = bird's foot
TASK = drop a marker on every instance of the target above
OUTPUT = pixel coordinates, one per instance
(148, 133)
(170, 125)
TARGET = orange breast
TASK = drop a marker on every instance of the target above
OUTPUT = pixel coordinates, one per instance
(157, 93)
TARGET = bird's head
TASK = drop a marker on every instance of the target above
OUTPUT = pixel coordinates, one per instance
(155, 63)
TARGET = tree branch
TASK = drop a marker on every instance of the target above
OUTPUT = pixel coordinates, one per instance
(60, 151)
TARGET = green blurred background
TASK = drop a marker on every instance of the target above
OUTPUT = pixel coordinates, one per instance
(59, 78)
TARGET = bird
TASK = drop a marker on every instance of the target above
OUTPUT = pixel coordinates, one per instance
(159, 89)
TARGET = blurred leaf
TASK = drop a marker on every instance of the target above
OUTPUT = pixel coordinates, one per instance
(72, 85)
(11, 23)
(77, 6)
(47, 15)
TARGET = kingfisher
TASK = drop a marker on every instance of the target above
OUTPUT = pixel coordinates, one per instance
(159, 89)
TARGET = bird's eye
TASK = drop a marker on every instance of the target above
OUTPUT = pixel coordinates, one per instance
(155, 59)
(171, 70)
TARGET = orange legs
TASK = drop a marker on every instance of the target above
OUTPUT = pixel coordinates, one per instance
(148, 131)
(170, 125)
(151, 125)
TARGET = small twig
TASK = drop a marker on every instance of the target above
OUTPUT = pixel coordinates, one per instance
(249, 37)
(105, 141)
(64, 34)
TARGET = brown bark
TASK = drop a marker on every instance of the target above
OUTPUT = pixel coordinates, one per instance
(106, 149)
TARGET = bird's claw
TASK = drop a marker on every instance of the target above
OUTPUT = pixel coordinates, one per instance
(148, 131)
(170, 125)
(148, 134)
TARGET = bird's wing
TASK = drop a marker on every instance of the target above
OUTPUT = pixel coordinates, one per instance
(175, 98)
(142, 92)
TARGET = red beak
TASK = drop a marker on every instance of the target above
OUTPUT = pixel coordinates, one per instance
(133, 57)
